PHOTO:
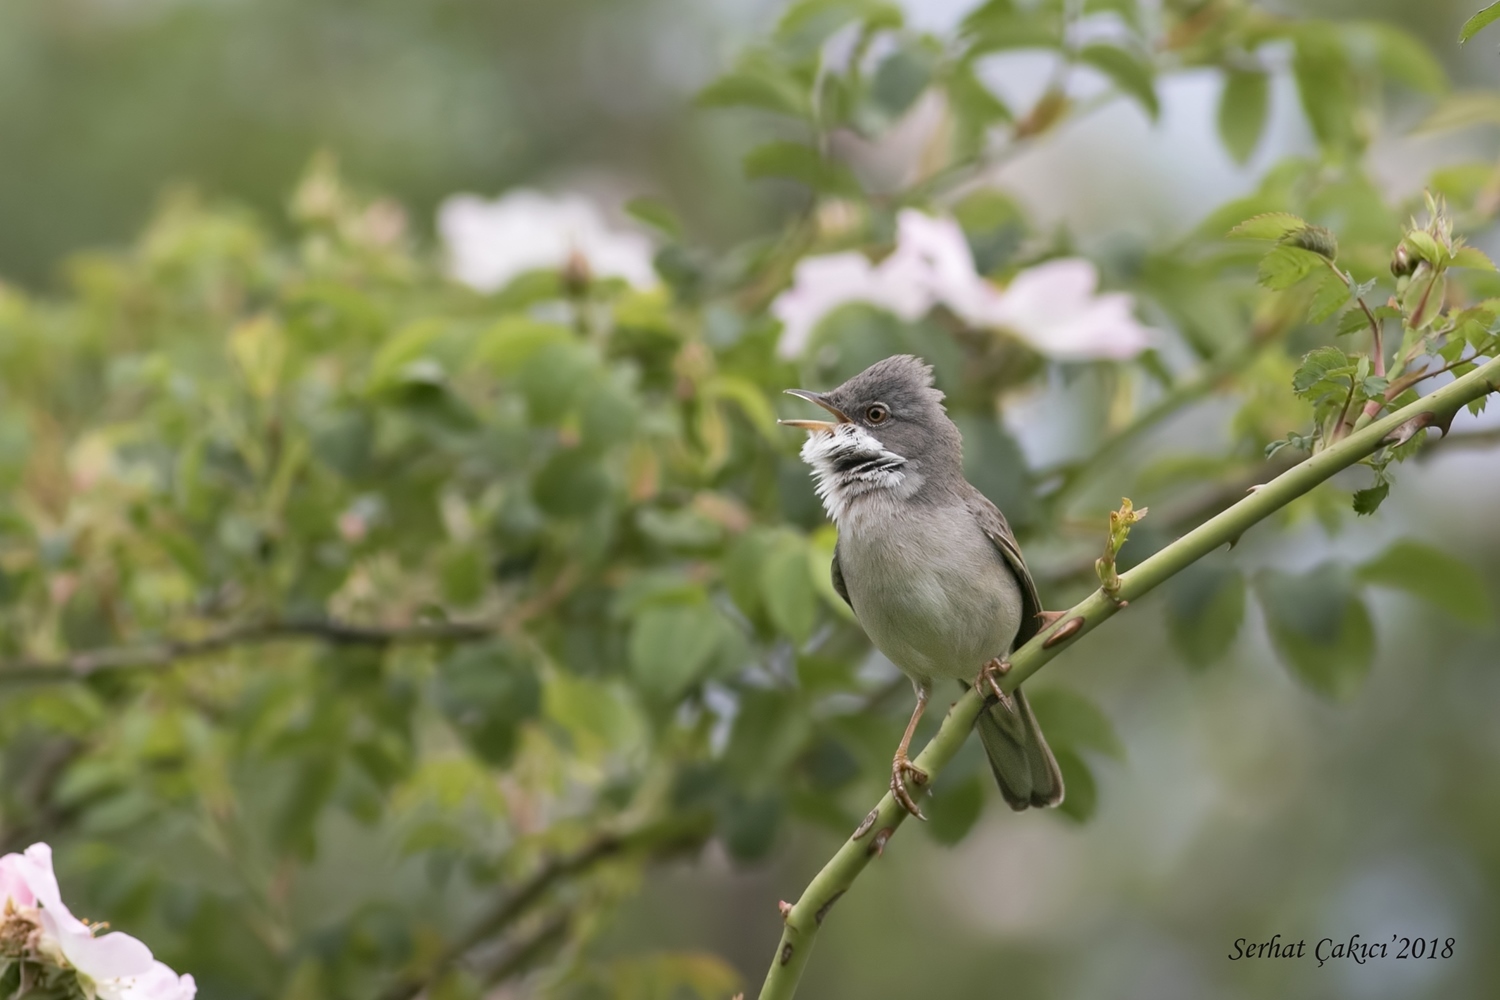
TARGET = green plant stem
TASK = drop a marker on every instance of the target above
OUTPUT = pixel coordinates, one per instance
(802, 921)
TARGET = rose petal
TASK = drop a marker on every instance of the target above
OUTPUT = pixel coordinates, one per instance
(13, 884)
(490, 243)
(158, 983)
(821, 284)
(111, 955)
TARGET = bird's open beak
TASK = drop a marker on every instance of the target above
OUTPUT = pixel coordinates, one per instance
(815, 425)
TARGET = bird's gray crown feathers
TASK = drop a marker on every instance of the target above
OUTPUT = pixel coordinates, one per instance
(903, 382)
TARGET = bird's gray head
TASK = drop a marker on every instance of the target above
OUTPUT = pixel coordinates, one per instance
(890, 434)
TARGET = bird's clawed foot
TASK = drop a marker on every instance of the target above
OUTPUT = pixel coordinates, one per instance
(902, 770)
(988, 681)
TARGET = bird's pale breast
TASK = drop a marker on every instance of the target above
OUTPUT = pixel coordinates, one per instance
(931, 590)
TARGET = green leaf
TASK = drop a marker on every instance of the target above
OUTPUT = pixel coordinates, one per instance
(900, 79)
(486, 692)
(1325, 85)
(770, 732)
(1270, 226)
(1242, 111)
(671, 645)
(1285, 266)
(999, 25)
(955, 807)
(655, 214)
(820, 551)
(806, 24)
(1353, 321)
(975, 108)
(1426, 247)
(742, 568)
(995, 464)
(1129, 72)
(1205, 607)
(1319, 627)
(759, 82)
(787, 588)
(749, 824)
(1479, 22)
(1463, 110)
(505, 347)
(571, 484)
(1070, 720)
(1402, 57)
(1331, 296)
(798, 162)
(463, 574)
(1423, 301)
(1081, 794)
(1319, 365)
(1434, 575)
(398, 354)
(679, 975)
(1472, 257)
(1315, 239)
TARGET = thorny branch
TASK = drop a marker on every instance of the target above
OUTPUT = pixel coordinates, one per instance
(802, 920)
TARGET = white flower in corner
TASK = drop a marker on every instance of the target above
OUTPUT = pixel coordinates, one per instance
(491, 242)
(1053, 307)
(119, 966)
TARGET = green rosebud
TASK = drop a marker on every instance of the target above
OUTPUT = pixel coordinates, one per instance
(1402, 261)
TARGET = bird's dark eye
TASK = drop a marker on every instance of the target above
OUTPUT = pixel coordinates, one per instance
(877, 413)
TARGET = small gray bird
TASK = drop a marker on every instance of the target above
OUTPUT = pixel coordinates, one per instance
(928, 564)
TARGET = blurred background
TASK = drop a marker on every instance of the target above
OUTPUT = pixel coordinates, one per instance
(1242, 806)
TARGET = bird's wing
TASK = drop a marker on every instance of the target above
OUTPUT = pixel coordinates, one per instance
(838, 578)
(1023, 764)
(993, 523)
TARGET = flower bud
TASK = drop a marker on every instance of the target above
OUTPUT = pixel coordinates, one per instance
(1403, 263)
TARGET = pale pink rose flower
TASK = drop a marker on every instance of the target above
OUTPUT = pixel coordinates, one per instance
(934, 251)
(1053, 308)
(13, 884)
(489, 243)
(120, 967)
(158, 983)
(822, 284)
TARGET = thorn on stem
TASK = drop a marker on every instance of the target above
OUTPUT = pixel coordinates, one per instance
(786, 953)
(866, 824)
(877, 846)
(1064, 632)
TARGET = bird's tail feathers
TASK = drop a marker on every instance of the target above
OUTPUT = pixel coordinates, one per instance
(1023, 764)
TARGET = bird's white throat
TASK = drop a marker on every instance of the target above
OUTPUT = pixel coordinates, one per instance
(848, 462)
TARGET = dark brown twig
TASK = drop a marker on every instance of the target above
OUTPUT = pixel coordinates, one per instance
(660, 839)
(525, 953)
(156, 656)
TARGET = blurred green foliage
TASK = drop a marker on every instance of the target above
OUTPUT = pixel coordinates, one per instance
(365, 633)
